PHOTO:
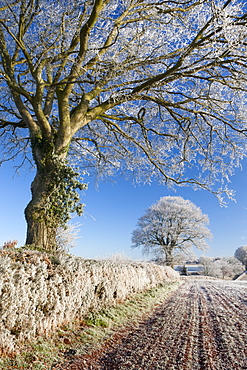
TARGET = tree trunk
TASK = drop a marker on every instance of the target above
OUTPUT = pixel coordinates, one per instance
(169, 256)
(41, 226)
(54, 195)
(40, 232)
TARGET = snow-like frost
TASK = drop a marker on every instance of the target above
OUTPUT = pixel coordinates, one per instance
(36, 296)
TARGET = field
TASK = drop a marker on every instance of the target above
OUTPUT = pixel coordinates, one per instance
(202, 326)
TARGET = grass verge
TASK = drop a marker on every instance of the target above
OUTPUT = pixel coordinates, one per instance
(82, 336)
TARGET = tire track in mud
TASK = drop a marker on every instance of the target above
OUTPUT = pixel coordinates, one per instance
(229, 318)
(203, 326)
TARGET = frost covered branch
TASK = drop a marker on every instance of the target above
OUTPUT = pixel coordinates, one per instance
(155, 90)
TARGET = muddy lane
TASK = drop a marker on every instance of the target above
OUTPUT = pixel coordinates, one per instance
(202, 326)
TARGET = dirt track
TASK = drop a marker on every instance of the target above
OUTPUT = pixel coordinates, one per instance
(202, 326)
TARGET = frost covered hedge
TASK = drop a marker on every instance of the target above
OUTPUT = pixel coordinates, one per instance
(38, 293)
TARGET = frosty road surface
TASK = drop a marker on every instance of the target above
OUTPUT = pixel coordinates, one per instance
(202, 326)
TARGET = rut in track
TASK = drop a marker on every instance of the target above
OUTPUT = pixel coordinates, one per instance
(203, 326)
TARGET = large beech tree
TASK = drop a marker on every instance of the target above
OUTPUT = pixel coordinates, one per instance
(171, 226)
(154, 89)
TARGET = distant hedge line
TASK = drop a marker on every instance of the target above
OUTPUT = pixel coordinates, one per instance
(38, 293)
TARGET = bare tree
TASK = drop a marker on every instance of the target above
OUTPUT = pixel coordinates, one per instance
(224, 267)
(241, 255)
(66, 236)
(207, 266)
(150, 88)
(171, 226)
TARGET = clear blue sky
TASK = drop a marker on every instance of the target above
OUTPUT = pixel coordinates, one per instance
(115, 209)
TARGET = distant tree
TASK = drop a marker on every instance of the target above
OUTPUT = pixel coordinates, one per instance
(236, 267)
(224, 267)
(241, 255)
(67, 236)
(150, 88)
(207, 266)
(170, 226)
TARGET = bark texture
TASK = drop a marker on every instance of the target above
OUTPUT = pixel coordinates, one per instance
(41, 216)
(40, 231)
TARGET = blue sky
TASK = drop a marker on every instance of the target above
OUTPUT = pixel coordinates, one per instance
(112, 212)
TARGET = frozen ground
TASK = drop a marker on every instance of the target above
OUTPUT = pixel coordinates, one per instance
(202, 326)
